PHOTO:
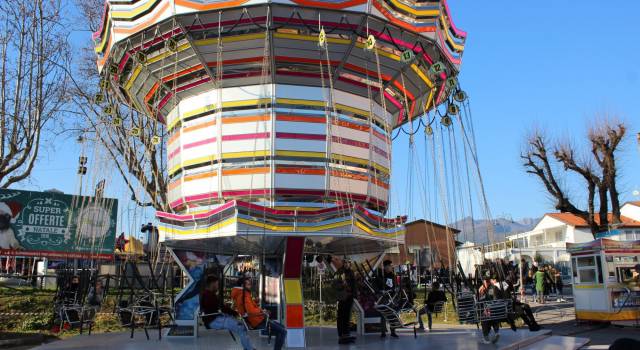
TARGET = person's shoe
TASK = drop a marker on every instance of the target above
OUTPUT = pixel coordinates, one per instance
(534, 328)
(513, 327)
(421, 328)
(383, 335)
(495, 338)
(485, 340)
(393, 334)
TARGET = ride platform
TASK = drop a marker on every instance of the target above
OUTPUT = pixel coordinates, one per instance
(321, 338)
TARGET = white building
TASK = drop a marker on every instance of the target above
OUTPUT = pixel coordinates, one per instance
(549, 237)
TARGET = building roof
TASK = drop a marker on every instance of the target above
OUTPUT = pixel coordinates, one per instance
(432, 224)
(576, 221)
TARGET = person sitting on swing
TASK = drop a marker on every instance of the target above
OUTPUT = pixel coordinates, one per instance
(253, 314)
(489, 291)
(387, 280)
(216, 315)
(435, 296)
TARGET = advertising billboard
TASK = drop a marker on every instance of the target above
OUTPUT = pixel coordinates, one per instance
(50, 224)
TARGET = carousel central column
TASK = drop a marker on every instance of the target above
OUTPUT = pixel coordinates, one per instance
(292, 285)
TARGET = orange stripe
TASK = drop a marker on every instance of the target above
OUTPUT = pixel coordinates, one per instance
(148, 96)
(247, 119)
(245, 171)
(199, 126)
(300, 171)
(219, 5)
(182, 72)
(350, 125)
(173, 137)
(346, 175)
(380, 183)
(174, 184)
(200, 176)
(301, 118)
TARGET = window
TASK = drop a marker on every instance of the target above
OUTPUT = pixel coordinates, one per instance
(588, 269)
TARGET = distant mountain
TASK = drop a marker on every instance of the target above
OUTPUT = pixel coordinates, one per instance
(476, 230)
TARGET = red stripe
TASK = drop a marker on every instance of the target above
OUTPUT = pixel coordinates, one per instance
(199, 143)
(291, 135)
(261, 135)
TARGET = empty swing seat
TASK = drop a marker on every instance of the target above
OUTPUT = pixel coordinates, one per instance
(466, 308)
(392, 317)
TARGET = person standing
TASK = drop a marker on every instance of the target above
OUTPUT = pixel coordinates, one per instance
(345, 286)
(539, 278)
(387, 280)
(559, 286)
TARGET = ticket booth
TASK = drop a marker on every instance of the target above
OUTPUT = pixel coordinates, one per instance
(605, 283)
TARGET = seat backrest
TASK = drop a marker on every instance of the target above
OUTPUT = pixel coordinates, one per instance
(438, 307)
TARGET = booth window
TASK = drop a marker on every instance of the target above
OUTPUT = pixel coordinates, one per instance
(588, 270)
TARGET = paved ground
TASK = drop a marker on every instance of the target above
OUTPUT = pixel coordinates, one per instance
(560, 319)
(317, 338)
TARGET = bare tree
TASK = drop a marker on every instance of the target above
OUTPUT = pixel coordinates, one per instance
(597, 168)
(134, 142)
(33, 44)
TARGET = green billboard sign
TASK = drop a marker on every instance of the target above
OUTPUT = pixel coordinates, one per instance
(50, 224)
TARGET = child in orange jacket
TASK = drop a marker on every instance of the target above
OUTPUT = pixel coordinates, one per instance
(253, 314)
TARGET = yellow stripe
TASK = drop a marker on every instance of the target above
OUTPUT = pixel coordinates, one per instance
(301, 154)
(244, 103)
(381, 52)
(211, 107)
(133, 77)
(230, 39)
(422, 76)
(292, 291)
(296, 101)
(167, 53)
(291, 228)
(624, 315)
(187, 231)
(359, 161)
(248, 154)
(429, 100)
(455, 45)
(297, 208)
(589, 286)
(310, 38)
(411, 10)
(378, 234)
(126, 14)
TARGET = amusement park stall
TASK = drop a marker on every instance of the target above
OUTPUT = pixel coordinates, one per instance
(605, 284)
(277, 120)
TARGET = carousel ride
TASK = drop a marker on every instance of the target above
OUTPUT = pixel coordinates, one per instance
(279, 121)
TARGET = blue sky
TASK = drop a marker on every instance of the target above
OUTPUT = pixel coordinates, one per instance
(551, 64)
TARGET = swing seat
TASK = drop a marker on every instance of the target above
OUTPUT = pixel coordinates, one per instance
(466, 308)
(264, 325)
(392, 317)
(493, 310)
(201, 317)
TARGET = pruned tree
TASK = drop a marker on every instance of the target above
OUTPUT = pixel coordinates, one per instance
(33, 45)
(134, 142)
(597, 168)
